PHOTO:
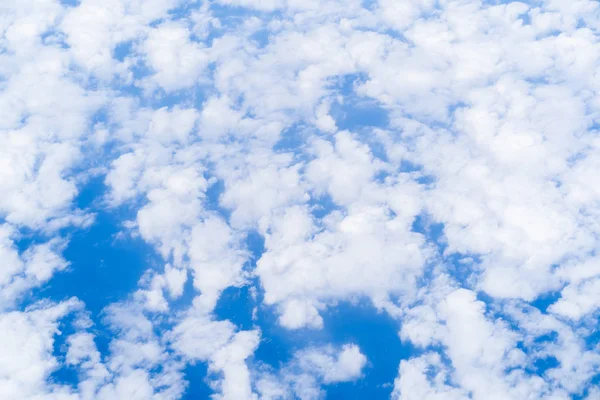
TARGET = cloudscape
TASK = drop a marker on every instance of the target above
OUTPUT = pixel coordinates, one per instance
(299, 199)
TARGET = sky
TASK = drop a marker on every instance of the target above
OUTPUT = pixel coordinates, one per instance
(299, 199)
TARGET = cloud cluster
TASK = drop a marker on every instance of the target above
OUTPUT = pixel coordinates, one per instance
(473, 201)
(309, 369)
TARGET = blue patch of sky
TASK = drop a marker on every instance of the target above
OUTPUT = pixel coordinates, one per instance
(185, 98)
(581, 24)
(369, 4)
(90, 193)
(213, 196)
(463, 267)
(261, 37)
(99, 117)
(195, 374)
(576, 158)
(491, 303)
(103, 269)
(360, 323)
(377, 336)
(322, 205)
(356, 112)
(255, 243)
(139, 69)
(184, 301)
(64, 374)
(543, 301)
(542, 365)
(207, 38)
(417, 172)
(193, 98)
(345, 85)
(226, 12)
(381, 176)
(594, 383)
(294, 139)
(432, 230)
(538, 79)
(123, 50)
(277, 344)
(237, 303)
(525, 18)
(547, 337)
(593, 339)
(407, 166)
(53, 37)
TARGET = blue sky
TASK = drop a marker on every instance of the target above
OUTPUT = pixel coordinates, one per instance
(283, 199)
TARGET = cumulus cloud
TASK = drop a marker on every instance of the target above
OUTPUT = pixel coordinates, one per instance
(27, 350)
(460, 213)
(311, 368)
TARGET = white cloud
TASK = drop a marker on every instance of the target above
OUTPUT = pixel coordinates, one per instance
(298, 314)
(200, 338)
(310, 369)
(481, 349)
(94, 28)
(344, 366)
(352, 254)
(26, 351)
(578, 300)
(495, 105)
(29, 269)
(177, 62)
(425, 378)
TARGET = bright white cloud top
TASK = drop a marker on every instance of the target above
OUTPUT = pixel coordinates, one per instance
(435, 160)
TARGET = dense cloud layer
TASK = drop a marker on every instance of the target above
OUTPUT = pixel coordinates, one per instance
(436, 159)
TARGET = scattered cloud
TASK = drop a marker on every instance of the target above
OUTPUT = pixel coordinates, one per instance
(468, 214)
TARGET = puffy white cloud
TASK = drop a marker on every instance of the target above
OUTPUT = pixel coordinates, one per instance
(425, 378)
(137, 364)
(198, 337)
(41, 139)
(493, 113)
(483, 348)
(29, 269)
(94, 28)
(177, 62)
(344, 366)
(306, 264)
(310, 369)
(26, 351)
(300, 313)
